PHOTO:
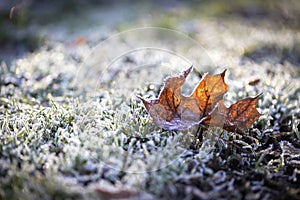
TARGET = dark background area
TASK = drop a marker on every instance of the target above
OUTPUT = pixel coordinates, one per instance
(20, 21)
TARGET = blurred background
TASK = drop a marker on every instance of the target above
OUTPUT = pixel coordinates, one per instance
(26, 25)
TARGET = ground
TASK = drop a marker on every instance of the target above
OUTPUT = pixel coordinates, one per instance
(72, 126)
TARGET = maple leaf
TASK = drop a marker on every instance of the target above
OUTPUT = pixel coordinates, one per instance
(205, 106)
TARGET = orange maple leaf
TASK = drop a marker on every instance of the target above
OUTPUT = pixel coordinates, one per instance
(205, 106)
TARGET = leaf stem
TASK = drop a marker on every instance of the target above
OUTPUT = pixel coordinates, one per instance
(198, 138)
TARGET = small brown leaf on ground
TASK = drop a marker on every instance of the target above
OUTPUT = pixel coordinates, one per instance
(254, 82)
(174, 111)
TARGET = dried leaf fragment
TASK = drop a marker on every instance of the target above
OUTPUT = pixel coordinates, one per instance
(254, 82)
(242, 114)
(174, 111)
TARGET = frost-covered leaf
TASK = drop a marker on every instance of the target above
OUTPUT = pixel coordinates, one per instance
(174, 111)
